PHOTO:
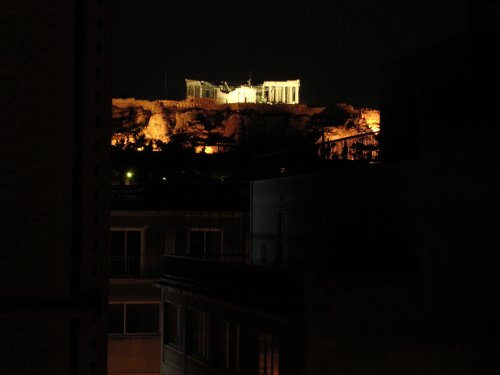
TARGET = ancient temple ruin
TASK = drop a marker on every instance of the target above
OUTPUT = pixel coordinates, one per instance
(268, 92)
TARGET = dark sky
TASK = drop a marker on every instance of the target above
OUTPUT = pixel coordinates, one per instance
(337, 48)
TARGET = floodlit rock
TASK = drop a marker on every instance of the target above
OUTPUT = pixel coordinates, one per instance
(197, 130)
(372, 118)
(183, 119)
(128, 124)
(190, 123)
(232, 127)
(348, 108)
(141, 116)
(332, 133)
(116, 112)
(158, 128)
(158, 107)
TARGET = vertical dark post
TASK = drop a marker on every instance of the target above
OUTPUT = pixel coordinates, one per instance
(165, 84)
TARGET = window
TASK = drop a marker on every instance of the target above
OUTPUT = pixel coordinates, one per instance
(172, 325)
(133, 319)
(268, 354)
(205, 242)
(116, 319)
(224, 344)
(142, 318)
(197, 333)
(126, 252)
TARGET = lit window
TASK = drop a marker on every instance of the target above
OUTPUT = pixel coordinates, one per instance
(125, 252)
(116, 319)
(133, 319)
(225, 344)
(268, 354)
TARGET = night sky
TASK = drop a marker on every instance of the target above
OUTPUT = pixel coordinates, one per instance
(337, 49)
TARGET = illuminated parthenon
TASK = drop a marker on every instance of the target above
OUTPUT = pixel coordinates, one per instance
(269, 92)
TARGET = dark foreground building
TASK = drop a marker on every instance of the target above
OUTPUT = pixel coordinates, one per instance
(54, 187)
(381, 268)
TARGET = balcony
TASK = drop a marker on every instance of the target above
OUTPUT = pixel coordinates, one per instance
(135, 266)
(228, 258)
(273, 287)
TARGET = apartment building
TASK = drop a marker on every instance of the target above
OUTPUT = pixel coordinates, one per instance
(194, 220)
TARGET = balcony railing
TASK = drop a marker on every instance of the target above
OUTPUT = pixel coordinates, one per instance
(151, 266)
(273, 285)
(135, 266)
(220, 258)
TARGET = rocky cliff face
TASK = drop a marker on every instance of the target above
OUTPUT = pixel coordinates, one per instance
(355, 122)
(140, 124)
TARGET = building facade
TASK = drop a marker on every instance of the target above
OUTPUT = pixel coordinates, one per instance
(133, 334)
(139, 241)
(221, 318)
(269, 92)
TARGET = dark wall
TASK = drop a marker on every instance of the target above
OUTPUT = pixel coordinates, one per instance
(54, 183)
(139, 354)
(399, 255)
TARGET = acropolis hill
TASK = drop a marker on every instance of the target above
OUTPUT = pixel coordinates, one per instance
(207, 124)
